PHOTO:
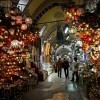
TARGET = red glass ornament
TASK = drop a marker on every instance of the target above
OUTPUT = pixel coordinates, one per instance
(80, 11)
(23, 26)
(76, 17)
(68, 20)
(73, 9)
(28, 20)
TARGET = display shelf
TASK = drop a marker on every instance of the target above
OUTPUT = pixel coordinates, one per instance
(94, 93)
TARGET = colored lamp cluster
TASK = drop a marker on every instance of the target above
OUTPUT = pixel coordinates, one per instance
(87, 29)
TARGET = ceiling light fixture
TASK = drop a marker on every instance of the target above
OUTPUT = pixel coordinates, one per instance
(67, 37)
(66, 28)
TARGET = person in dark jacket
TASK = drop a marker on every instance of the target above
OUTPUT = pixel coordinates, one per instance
(59, 67)
(65, 65)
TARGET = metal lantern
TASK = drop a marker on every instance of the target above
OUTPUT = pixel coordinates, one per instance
(28, 20)
(80, 11)
(23, 26)
(18, 18)
(11, 31)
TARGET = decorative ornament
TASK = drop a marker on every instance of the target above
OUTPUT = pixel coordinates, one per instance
(15, 44)
(80, 11)
(28, 20)
(11, 31)
(23, 26)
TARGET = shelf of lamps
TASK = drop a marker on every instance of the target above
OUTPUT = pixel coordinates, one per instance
(91, 97)
(94, 93)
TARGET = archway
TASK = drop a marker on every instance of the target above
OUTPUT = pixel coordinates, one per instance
(64, 51)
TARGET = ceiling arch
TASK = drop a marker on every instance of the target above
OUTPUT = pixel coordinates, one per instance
(51, 19)
(63, 47)
(37, 9)
(48, 12)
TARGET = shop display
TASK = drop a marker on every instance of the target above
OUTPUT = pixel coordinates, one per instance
(41, 73)
(90, 81)
(15, 38)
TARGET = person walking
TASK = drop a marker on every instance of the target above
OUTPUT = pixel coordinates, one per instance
(65, 65)
(75, 68)
(59, 67)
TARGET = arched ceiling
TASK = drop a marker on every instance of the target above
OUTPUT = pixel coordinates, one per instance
(50, 14)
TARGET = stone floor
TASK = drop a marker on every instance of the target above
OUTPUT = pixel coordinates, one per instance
(55, 88)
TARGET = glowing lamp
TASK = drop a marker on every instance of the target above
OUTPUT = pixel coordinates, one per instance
(23, 26)
(18, 18)
(19, 21)
(13, 17)
(13, 12)
(68, 19)
(75, 17)
(11, 31)
(15, 43)
(13, 23)
(28, 20)
(73, 9)
(7, 15)
(80, 11)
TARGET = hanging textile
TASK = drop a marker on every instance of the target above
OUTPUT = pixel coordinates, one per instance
(59, 35)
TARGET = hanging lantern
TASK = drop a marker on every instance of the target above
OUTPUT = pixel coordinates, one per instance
(81, 34)
(19, 21)
(28, 20)
(79, 43)
(75, 17)
(13, 17)
(95, 55)
(1, 44)
(15, 43)
(13, 23)
(85, 46)
(68, 20)
(23, 26)
(73, 9)
(90, 39)
(18, 18)
(11, 31)
(80, 11)
(7, 15)
(12, 12)
(65, 10)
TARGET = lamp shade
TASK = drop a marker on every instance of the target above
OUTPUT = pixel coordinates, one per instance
(28, 20)
(23, 26)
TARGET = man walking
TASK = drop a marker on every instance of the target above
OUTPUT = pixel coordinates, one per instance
(75, 70)
(59, 67)
(65, 65)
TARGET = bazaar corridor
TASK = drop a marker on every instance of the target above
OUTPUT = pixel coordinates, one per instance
(42, 39)
(55, 88)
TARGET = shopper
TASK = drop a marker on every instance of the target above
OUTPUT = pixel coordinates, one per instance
(54, 67)
(65, 65)
(75, 68)
(59, 67)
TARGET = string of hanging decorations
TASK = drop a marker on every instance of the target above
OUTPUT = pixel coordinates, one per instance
(87, 27)
(15, 36)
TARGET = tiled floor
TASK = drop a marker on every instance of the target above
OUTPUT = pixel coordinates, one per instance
(55, 88)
